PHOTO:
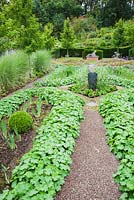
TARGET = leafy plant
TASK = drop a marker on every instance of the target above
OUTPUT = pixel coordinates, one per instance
(118, 112)
(42, 170)
(65, 75)
(102, 89)
(3, 126)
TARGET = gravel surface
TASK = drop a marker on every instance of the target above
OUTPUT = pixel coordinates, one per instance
(93, 164)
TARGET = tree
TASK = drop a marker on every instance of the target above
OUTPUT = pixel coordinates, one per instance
(83, 26)
(8, 32)
(68, 36)
(119, 35)
(56, 11)
(25, 23)
(129, 32)
(110, 11)
(48, 40)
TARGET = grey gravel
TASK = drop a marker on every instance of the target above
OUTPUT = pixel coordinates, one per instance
(93, 164)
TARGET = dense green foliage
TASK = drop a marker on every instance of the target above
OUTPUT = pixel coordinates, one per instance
(64, 75)
(67, 37)
(41, 62)
(15, 69)
(20, 121)
(42, 170)
(83, 88)
(119, 76)
(131, 53)
(118, 112)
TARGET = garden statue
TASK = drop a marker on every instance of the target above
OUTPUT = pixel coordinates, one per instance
(92, 80)
(92, 77)
(92, 56)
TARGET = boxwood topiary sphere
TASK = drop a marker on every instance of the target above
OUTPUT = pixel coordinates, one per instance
(21, 121)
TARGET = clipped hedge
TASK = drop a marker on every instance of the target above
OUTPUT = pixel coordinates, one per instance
(118, 113)
(42, 170)
(131, 53)
(124, 51)
(74, 52)
(109, 52)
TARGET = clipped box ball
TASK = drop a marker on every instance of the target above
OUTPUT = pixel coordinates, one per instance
(20, 121)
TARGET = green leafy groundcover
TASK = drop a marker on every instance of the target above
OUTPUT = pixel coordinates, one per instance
(65, 75)
(42, 170)
(118, 112)
(110, 78)
(82, 88)
(115, 80)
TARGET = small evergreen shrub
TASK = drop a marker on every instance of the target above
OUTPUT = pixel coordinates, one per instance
(20, 121)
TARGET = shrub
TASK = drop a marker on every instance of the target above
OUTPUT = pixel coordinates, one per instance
(41, 61)
(131, 53)
(99, 53)
(13, 69)
(20, 121)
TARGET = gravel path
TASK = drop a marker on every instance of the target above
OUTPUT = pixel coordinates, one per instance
(93, 164)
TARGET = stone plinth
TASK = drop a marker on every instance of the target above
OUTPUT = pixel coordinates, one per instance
(95, 58)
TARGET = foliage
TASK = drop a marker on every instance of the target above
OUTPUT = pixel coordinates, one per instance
(110, 11)
(41, 62)
(64, 75)
(131, 53)
(118, 112)
(119, 76)
(129, 30)
(83, 25)
(68, 36)
(20, 28)
(56, 12)
(20, 121)
(41, 171)
(8, 32)
(118, 35)
(102, 89)
(13, 69)
(48, 39)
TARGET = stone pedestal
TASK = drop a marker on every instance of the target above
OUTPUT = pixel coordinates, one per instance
(95, 58)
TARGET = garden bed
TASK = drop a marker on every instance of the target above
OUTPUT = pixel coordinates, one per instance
(42, 170)
(13, 149)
